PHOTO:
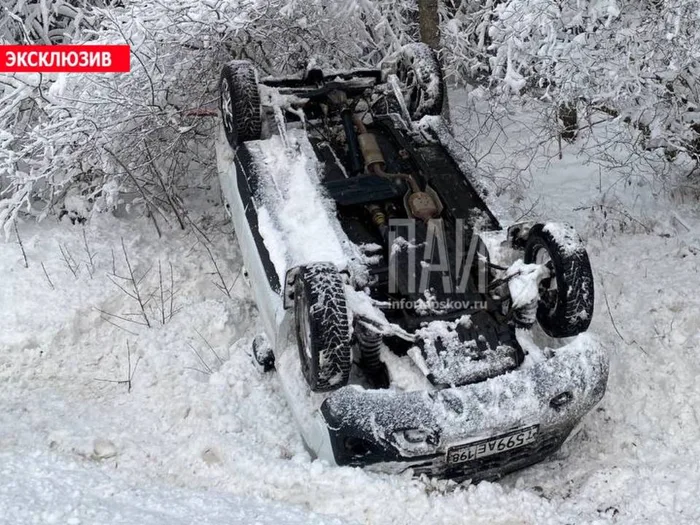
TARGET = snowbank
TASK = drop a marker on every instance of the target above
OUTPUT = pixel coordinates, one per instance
(197, 445)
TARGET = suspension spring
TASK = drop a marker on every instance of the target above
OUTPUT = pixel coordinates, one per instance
(370, 344)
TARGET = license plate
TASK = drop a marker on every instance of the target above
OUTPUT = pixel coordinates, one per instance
(494, 445)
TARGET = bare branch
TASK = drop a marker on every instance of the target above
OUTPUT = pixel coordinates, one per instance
(168, 196)
(132, 289)
(211, 348)
(47, 276)
(172, 291)
(123, 317)
(90, 263)
(221, 285)
(135, 285)
(201, 360)
(162, 299)
(129, 371)
(21, 245)
(614, 325)
(149, 204)
(106, 319)
(68, 259)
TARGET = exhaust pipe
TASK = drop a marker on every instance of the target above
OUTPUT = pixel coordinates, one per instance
(420, 204)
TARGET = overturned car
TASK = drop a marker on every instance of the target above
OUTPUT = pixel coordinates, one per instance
(410, 330)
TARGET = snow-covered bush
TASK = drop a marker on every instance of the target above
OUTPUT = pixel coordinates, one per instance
(595, 61)
(465, 39)
(46, 21)
(78, 142)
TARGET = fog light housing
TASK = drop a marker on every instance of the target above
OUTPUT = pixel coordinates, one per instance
(416, 435)
(561, 400)
(415, 441)
(357, 447)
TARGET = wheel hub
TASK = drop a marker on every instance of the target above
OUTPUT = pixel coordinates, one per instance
(226, 106)
(304, 325)
(549, 291)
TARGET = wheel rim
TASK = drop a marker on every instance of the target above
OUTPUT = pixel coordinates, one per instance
(549, 290)
(411, 92)
(226, 106)
(304, 326)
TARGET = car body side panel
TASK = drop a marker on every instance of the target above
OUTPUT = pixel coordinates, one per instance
(237, 194)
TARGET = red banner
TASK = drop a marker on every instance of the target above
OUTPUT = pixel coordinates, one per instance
(65, 59)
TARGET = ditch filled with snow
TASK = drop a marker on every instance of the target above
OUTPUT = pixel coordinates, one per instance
(108, 420)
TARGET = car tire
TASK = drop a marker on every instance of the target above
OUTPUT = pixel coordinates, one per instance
(565, 308)
(322, 327)
(420, 76)
(239, 102)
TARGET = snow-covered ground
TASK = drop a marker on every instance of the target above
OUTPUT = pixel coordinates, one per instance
(201, 437)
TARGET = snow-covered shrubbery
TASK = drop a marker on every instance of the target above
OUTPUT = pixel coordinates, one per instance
(47, 21)
(76, 143)
(594, 61)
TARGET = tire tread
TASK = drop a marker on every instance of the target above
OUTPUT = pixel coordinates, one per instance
(330, 330)
(242, 80)
(574, 310)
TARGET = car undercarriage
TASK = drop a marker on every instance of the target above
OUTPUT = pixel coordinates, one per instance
(420, 281)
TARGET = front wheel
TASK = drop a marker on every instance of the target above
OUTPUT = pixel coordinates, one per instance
(565, 307)
(322, 327)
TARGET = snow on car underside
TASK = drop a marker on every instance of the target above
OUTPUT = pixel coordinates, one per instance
(395, 317)
(296, 222)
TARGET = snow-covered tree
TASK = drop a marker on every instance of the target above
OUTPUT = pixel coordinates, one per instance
(634, 61)
(76, 143)
(46, 21)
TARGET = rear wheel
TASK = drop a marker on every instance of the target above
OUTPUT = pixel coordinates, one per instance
(421, 80)
(566, 299)
(239, 102)
(322, 327)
